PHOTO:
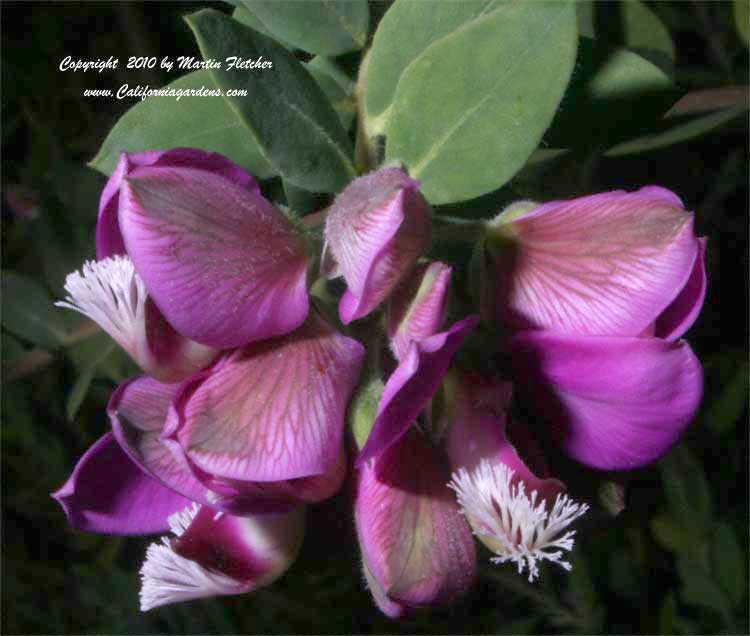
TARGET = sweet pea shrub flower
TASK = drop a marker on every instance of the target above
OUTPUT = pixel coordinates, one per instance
(417, 549)
(516, 514)
(248, 440)
(192, 259)
(375, 231)
(598, 292)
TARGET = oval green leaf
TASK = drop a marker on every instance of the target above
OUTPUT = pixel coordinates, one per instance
(613, 96)
(29, 313)
(630, 25)
(470, 110)
(324, 27)
(677, 132)
(405, 31)
(286, 112)
(161, 123)
(338, 88)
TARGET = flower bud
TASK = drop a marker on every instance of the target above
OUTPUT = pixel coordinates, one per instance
(375, 231)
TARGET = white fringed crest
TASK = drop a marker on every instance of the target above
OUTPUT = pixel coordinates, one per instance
(526, 531)
(113, 295)
(167, 577)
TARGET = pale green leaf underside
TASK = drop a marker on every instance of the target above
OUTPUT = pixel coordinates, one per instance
(470, 110)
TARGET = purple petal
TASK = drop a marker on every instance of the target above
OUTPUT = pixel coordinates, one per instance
(273, 410)
(606, 264)
(417, 308)
(684, 310)
(375, 231)
(477, 432)
(222, 264)
(412, 385)
(615, 403)
(417, 548)
(108, 493)
(108, 237)
(138, 411)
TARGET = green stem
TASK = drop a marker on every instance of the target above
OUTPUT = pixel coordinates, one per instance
(451, 228)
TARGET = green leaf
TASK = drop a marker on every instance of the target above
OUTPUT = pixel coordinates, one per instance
(324, 27)
(676, 133)
(472, 108)
(613, 95)
(629, 24)
(686, 490)
(295, 126)
(12, 348)
(28, 312)
(742, 20)
(244, 16)
(405, 31)
(700, 589)
(729, 405)
(673, 536)
(208, 123)
(728, 563)
(83, 382)
(338, 88)
(667, 615)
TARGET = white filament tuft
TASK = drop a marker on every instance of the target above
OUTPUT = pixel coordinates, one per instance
(179, 522)
(526, 532)
(112, 294)
(167, 577)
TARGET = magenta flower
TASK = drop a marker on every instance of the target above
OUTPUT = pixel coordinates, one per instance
(599, 290)
(249, 440)
(192, 253)
(230, 448)
(516, 514)
(417, 550)
(375, 231)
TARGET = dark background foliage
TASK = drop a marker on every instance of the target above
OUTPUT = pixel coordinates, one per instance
(674, 561)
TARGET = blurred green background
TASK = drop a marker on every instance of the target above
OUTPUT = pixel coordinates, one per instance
(673, 561)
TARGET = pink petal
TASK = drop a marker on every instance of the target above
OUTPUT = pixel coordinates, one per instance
(412, 385)
(273, 410)
(416, 547)
(417, 308)
(138, 411)
(108, 237)
(684, 310)
(375, 231)
(245, 497)
(223, 265)
(606, 264)
(477, 431)
(615, 403)
(108, 493)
